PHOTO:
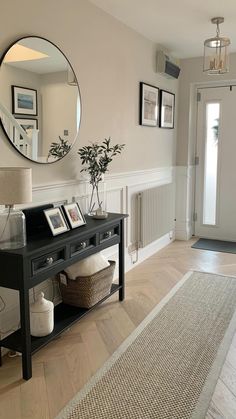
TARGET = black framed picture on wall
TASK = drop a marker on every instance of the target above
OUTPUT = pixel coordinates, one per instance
(149, 105)
(167, 109)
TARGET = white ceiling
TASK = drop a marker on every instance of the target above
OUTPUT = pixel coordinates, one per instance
(181, 26)
(54, 62)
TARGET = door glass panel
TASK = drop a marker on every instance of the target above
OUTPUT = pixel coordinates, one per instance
(211, 163)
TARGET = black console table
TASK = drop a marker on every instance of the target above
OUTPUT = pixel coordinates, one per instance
(23, 269)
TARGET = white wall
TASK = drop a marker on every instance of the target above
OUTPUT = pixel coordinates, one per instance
(12, 76)
(109, 60)
(57, 102)
(59, 109)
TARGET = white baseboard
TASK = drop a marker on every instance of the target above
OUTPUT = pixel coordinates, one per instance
(148, 251)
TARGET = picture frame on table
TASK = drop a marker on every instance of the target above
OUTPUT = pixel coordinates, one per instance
(167, 109)
(149, 105)
(24, 101)
(56, 220)
(74, 215)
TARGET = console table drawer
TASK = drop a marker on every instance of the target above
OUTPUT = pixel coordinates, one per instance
(82, 245)
(47, 261)
(108, 234)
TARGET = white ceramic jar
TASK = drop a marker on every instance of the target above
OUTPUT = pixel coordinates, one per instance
(41, 316)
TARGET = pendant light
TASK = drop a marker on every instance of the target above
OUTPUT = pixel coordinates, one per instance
(216, 56)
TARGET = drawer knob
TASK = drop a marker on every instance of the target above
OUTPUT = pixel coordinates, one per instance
(108, 234)
(49, 261)
(83, 245)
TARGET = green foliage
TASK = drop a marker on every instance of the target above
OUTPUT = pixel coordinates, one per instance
(96, 158)
(215, 129)
(60, 149)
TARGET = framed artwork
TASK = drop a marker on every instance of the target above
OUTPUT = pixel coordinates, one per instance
(27, 125)
(56, 220)
(167, 109)
(74, 215)
(149, 105)
(24, 101)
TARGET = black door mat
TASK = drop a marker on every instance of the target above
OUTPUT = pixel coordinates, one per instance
(215, 245)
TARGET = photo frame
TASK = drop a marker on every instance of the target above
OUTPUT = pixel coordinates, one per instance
(149, 105)
(74, 215)
(56, 220)
(27, 124)
(167, 109)
(24, 101)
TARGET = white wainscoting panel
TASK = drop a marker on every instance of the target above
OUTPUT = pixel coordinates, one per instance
(185, 178)
(122, 189)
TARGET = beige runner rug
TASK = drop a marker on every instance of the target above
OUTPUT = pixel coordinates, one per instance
(168, 367)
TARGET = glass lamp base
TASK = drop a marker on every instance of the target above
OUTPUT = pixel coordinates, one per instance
(12, 229)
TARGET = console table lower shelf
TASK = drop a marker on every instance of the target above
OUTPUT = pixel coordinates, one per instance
(64, 317)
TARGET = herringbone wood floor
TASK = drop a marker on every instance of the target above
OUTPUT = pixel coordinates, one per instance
(65, 365)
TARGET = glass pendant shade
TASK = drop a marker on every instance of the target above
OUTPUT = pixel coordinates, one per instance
(15, 188)
(216, 56)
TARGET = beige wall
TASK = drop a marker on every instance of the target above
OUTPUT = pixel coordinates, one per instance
(109, 60)
(57, 103)
(10, 75)
(191, 73)
(59, 109)
(18, 77)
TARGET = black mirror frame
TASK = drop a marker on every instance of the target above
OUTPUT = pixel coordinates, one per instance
(1, 124)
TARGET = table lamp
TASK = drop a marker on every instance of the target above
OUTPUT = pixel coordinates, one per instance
(15, 188)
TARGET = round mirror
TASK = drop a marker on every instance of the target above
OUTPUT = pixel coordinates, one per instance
(39, 100)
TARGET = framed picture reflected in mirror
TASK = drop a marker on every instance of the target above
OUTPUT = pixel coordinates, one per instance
(24, 101)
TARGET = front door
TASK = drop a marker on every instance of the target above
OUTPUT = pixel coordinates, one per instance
(215, 203)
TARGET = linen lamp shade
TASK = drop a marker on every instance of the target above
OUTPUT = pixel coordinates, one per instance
(15, 185)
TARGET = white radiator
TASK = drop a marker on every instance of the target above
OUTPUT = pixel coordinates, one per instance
(156, 210)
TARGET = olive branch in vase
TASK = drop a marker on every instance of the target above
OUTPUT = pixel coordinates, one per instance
(96, 159)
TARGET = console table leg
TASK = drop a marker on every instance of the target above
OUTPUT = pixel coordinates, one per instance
(121, 263)
(25, 334)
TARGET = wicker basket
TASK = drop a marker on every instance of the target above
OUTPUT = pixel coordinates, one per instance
(85, 291)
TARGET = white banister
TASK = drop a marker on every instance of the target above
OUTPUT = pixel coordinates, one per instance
(34, 144)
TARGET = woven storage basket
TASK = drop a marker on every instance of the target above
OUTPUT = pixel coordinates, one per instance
(85, 291)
